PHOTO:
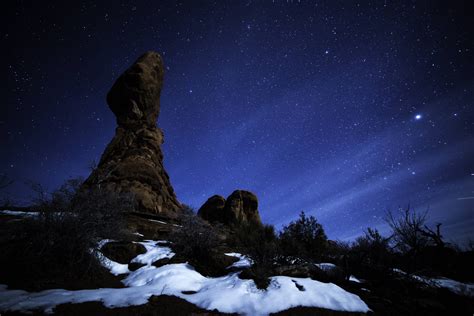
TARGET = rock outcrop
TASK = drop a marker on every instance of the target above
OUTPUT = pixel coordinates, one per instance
(240, 207)
(213, 209)
(133, 161)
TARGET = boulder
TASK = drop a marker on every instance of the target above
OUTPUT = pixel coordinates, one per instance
(240, 207)
(133, 161)
(213, 209)
(133, 266)
(121, 251)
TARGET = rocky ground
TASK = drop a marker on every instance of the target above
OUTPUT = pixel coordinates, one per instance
(121, 253)
(393, 297)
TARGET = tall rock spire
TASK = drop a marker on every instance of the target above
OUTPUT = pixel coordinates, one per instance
(133, 161)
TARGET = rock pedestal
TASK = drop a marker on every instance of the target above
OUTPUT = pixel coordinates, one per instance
(133, 161)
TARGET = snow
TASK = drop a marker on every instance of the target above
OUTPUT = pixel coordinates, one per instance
(354, 279)
(153, 252)
(226, 294)
(398, 271)
(102, 243)
(244, 261)
(326, 266)
(18, 213)
(114, 267)
(465, 289)
(459, 288)
(157, 221)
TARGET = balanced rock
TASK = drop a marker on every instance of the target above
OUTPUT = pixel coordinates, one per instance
(133, 161)
(240, 207)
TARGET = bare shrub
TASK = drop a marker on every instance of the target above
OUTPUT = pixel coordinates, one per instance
(370, 255)
(260, 243)
(195, 239)
(408, 230)
(60, 242)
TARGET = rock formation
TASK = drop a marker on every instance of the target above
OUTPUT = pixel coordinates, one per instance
(133, 161)
(213, 210)
(240, 207)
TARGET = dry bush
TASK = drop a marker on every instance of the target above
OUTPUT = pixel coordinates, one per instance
(260, 243)
(304, 238)
(195, 239)
(60, 242)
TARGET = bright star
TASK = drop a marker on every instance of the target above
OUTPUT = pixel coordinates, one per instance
(418, 117)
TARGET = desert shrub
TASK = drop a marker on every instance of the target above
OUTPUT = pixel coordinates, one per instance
(304, 238)
(370, 255)
(195, 239)
(420, 247)
(260, 243)
(407, 230)
(373, 248)
(257, 241)
(60, 242)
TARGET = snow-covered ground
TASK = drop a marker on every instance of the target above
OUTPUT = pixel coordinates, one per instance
(465, 289)
(226, 294)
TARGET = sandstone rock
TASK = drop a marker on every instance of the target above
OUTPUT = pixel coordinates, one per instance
(240, 207)
(213, 209)
(121, 251)
(134, 266)
(133, 161)
(243, 207)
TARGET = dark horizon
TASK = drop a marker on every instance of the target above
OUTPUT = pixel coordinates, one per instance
(343, 111)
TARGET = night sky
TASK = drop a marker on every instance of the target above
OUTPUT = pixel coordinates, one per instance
(341, 109)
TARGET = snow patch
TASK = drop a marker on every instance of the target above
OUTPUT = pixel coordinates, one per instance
(157, 221)
(153, 252)
(19, 213)
(114, 267)
(244, 261)
(326, 266)
(354, 279)
(459, 288)
(465, 289)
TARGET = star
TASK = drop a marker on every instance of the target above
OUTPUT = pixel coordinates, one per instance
(418, 117)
